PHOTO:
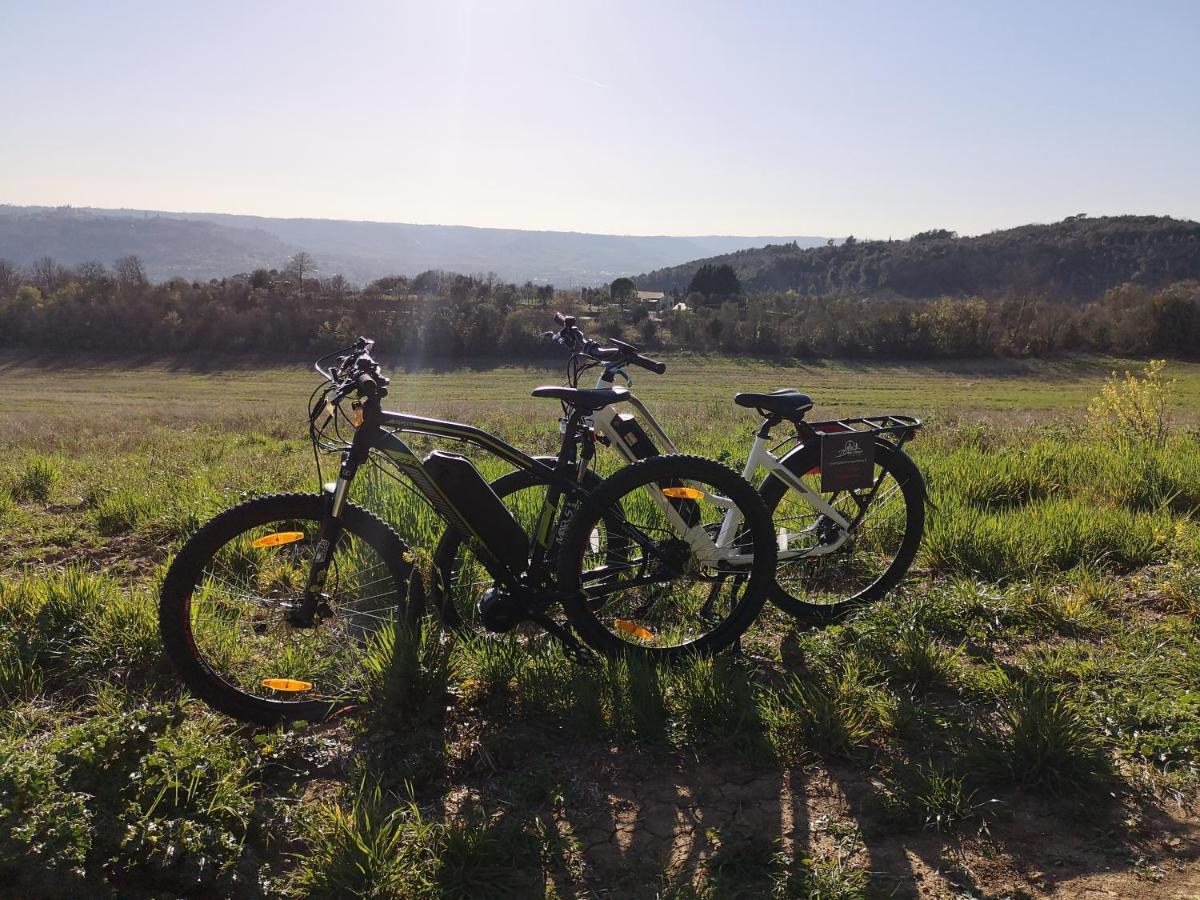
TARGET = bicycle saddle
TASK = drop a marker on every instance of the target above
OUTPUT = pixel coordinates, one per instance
(787, 403)
(586, 399)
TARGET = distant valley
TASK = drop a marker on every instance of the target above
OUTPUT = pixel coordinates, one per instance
(212, 245)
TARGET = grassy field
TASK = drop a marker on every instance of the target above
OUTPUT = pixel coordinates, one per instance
(1022, 718)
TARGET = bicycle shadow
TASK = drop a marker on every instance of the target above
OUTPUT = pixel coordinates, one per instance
(638, 815)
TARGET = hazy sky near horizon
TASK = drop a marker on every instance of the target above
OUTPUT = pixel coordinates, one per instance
(877, 119)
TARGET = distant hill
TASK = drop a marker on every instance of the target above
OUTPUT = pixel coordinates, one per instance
(1079, 257)
(210, 245)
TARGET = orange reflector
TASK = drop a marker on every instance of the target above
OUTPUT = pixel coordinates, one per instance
(683, 493)
(286, 684)
(633, 629)
(278, 539)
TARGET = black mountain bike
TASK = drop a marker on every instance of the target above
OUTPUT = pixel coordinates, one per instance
(269, 609)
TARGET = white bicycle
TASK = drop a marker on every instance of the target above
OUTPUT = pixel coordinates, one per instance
(848, 503)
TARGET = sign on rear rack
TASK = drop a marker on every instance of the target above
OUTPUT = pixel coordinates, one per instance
(847, 461)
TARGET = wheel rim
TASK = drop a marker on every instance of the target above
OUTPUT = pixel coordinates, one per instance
(241, 630)
(858, 559)
(659, 592)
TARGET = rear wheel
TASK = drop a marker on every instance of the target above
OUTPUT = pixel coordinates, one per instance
(820, 584)
(226, 604)
(667, 595)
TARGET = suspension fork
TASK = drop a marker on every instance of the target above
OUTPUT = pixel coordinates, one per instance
(331, 528)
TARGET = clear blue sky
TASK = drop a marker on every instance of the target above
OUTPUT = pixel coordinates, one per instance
(873, 119)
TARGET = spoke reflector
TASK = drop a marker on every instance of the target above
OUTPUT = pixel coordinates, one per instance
(633, 629)
(286, 684)
(278, 539)
(683, 493)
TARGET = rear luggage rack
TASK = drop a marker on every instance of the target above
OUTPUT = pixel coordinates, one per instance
(900, 427)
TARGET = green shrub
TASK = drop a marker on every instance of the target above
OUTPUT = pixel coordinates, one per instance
(137, 791)
(1134, 408)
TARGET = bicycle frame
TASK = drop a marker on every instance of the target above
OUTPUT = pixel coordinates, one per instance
(760, 457)
(380, 432)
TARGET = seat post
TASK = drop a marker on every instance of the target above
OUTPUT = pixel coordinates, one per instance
(769, 422)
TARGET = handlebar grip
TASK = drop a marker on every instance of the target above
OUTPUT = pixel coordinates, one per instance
(647, 363)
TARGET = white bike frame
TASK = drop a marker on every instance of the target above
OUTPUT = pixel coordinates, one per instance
(760, 457)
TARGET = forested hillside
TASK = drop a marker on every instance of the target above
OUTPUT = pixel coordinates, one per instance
(447, 316)
(1078, 258)
(212, 245)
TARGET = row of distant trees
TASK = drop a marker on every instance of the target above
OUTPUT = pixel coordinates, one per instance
(116, 309)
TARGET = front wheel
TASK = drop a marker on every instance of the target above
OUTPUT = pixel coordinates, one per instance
(227, 603)
(681, 586)
(826, 570)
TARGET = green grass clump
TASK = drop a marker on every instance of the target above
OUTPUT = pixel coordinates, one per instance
(408, 671)
(366, 849)
(62, 629)
(636, 699)
(479, 858)
(1046, 741)
(489, 667)
(824, 877)
(554, 686)
(120, 512)
(832, 715)
(930, 797)
(709, 700)
(35, 482)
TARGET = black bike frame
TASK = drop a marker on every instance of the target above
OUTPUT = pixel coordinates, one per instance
(380, 432)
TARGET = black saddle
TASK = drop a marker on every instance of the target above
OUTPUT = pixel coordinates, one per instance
(786, 403)
(584, 399)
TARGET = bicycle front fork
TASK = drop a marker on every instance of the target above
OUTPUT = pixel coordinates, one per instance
(330, 533)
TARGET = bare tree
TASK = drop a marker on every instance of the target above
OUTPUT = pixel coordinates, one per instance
(47, 275)
(92, 271)
(299, 265)
(130, 270)
(10, 278)
(337, 285)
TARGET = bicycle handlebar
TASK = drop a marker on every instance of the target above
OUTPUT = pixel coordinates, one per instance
(355, 371)
(621, 354)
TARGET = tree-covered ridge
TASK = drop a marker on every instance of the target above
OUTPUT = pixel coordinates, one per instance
(1078, 258)
(447, 316)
